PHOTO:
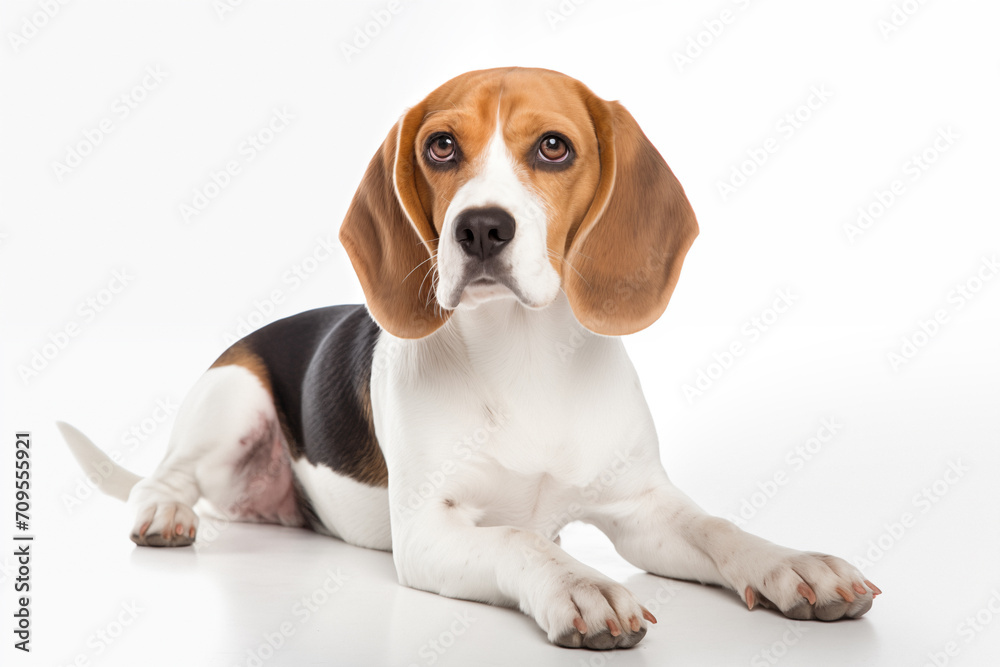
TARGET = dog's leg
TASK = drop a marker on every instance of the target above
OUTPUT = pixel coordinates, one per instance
(226, 446)
(444, 552)
(662, 531)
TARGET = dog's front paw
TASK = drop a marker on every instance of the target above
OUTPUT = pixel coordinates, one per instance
(581, 611)
(807, 585)
(165, 524)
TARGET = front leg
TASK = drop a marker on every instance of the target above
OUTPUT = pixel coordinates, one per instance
(662, 531)
(441, 550)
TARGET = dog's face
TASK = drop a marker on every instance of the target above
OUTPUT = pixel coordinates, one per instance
(514, 183)
(506, 166)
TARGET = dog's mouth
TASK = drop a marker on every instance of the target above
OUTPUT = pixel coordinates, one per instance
(486, 288)
(484, 281)
(480, 282)
(479, 288)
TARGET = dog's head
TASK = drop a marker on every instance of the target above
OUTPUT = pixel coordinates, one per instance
(512, 183)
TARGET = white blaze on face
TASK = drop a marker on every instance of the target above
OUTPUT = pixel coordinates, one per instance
(524, 261)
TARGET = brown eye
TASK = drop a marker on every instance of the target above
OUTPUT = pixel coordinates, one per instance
(553, 149)
(441, 148)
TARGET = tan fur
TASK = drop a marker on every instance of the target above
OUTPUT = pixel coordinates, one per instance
(629, 248)
(241, 355)
(370, 467)
(619, 222)
(391, 250)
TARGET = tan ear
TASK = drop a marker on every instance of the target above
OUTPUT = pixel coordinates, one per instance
(390, 241)
(625, 257)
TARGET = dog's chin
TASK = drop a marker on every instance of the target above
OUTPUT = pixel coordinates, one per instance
(484, 290)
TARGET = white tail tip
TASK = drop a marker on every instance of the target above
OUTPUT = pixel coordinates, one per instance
(112, 479)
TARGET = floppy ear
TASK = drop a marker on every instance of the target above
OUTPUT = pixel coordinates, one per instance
(390, 241)
(626, 254)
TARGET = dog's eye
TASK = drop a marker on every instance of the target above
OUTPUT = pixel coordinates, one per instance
(441, 148)
(553, 149)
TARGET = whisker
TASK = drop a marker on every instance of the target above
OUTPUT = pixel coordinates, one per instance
(558, 256)
(429, 271)
(435, 281)
(430, 293)
(417, 267)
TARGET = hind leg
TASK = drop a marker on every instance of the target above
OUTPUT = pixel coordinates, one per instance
(227, 447)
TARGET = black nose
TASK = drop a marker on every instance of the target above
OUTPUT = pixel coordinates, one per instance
(483, 232)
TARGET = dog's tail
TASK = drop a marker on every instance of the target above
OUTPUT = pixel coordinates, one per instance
(112, 479)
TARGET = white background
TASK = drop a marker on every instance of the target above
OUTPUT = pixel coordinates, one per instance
(889, 94)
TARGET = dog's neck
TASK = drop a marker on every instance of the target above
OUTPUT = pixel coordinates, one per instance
(504, 337)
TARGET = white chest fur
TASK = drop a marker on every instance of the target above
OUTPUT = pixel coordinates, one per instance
(514, 415)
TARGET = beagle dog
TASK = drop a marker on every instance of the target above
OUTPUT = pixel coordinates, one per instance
(510, 228)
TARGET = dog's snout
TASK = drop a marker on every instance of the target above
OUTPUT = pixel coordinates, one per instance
(483, 232)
